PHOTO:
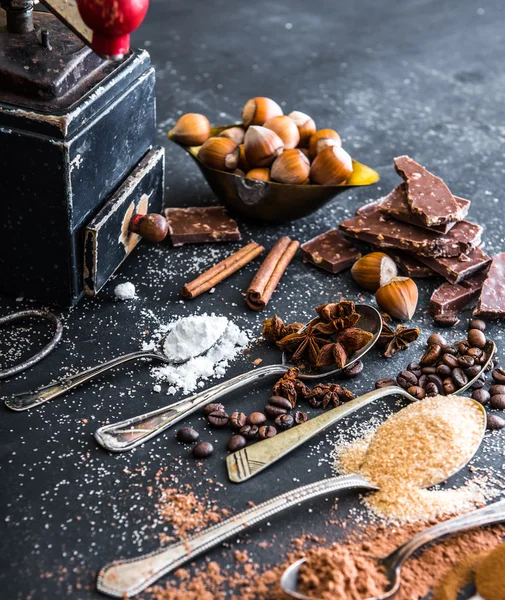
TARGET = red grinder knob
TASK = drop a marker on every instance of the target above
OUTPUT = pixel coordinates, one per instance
(112, 21)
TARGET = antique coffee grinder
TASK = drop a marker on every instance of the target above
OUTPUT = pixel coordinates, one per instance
(77, 154)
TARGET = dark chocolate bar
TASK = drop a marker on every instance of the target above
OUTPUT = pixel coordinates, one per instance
(427, 195)
(491, 303)
(458, 268)
(330, 251)
(409, 265)
(200, 225)
(451, 298)
(373, 227)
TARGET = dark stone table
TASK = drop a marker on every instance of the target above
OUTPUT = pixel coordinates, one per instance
(422, 77)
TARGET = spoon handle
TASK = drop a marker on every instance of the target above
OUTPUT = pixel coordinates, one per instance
(26, 400)
(127, 434)
(493, 513)
(126, 578)
(248, 462)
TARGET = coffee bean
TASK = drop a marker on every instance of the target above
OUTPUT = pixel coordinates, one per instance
(447, 320)
(422, 381)
(477, 324)
(437, 381)
(429, 370)
(495, 422)
(218, 418)
(236, 442)
(284, 421)
(444, 370)
(274, 411)
(203, 450)
(497, 389)
(415, 367)
(463, 346)
(478, 384)
(483, 359)
(384, 382)
(450, 350)
(267, 431)
(353, 370)
(498, 375)
(406, 379)
(498, 401)
(475, 352)
(249, 431)
(465, 362)
(300, 417)
(477, 338)
(280, 402)
(256, 418)
(481, 396)
(459, 377)
(417, 392)
(431, 355)
(431, 389)
(473, 371)
(216, 406)
(450, 360)
(449, 387)
(187, 435)
(237, 420)
(436, 338)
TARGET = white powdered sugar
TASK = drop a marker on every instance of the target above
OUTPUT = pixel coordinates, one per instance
(190, 337)
(125, 291)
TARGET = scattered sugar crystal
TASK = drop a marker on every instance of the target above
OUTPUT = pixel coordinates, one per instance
(125, 291)
(157, 388)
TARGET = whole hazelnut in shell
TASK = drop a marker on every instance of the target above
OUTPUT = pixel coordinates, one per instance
(260, 173)
(322, 139)
(398, 298)
(286, 129)
(192, 129)
(234, 133)
(306, 127)
(374, 270)
(220, 153)
(258, 110)
(292, 166)
(262, 146)
(331, 166)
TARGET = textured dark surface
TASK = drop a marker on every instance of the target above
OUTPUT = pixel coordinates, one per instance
(423, 78)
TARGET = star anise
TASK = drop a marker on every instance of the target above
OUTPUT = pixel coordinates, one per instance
(323, 393)
(332, 354)
(393, 340)
(354, 338)
(274, 329)
(336, 316)
(303, 346)
(290, 387)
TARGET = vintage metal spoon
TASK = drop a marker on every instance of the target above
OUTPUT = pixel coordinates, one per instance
(245, 463)
(126, 578)
(127, 434)
(26, 400)
(494, 513)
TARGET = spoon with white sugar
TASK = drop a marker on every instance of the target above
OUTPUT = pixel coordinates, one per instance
(188, 338)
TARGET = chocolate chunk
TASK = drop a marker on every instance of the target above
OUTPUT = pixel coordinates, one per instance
(376, 229)
(427, 195)
(396, 205)
(409, 265)
(330, 251)
(199, 225)
(458, 268)
(451, 298)
(491, 303)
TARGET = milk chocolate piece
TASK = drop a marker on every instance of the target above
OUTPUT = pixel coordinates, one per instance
(330, 251)
(427, 195)
(396, 205)
(373, 227)
(458, 268)
(199, 225)
(491, 303)
(409, 265)
(451, 298)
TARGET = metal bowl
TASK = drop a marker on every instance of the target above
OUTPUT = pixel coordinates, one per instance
(274, 202)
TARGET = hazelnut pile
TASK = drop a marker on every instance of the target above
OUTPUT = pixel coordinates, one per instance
(269, 146)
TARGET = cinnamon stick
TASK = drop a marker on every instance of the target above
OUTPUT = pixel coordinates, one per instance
(269, 274)
(221, 271)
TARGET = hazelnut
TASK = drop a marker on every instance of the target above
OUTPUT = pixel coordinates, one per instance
(260, 173)
(286, 129)
(262, 146)
(398, 298)
(306, 127)
(191, 129)
(322, 139)
(234, 133)
(220, 153)
(292, 166)
(332, 166)
(374, 270)
(258, 110)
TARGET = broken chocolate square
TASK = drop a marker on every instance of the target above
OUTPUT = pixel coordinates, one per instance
(491, 303)
(409, 265)
(330, 251)
(458, 268)
(200, 225)
(451, 298)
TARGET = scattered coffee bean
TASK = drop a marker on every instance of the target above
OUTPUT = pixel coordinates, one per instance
(249, 431)
(256, 418)
(477, 338)
(274, 411)
(284, 421)
(423, 380)
(431, 355)
(450, 360)
(437, 381)
(447, 320)
(384, 382)
(236, 442)
(417, 392)
(215, 407)
(436, 338)
(444, 370)
(475, 352)
(353, 370)
(267, 431)
(203, 450)
(498, 401)
(218, 418)
(429, 370)
(300, 417)
(459, 377)
(406, 379)
(237, 420)
(497, 389)
(495, 422)
(481, 396)
(498, 375)
(478, 384)
(473, 371)
(281, 402)
(449, 386)
(465, 362)
(187, 435)
(415, 367)
(431, 389)
(477, 324)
